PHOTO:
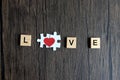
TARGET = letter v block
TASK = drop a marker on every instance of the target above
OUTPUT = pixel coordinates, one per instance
(71, 42)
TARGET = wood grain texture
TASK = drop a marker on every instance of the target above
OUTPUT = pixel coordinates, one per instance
(114, 42)
(0, 36)
(80, 18)
(1, 50)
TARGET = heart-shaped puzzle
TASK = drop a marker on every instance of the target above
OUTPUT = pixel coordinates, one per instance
(49, 41)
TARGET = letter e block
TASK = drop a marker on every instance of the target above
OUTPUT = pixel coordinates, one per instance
(25, 40)
(95, 43)
(71, 42)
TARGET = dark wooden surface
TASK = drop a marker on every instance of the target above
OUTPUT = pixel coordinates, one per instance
(80, 18)
(0, 39)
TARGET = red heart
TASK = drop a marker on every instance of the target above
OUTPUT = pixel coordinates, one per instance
(49, 41)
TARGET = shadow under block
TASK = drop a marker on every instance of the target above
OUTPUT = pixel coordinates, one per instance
(25, 40)
(95, 43)
(71, 42)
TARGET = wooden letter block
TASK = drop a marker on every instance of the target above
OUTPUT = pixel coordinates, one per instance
(25, 40)
(95, 42)
(71, 42)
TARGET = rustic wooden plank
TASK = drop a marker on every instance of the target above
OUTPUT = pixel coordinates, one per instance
(65, 17)
(97, 23)
(0, 40)
(0, 54)
(5, 23)
(19, 18)
(114, 39)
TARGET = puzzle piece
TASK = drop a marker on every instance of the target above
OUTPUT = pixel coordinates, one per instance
(55, 45)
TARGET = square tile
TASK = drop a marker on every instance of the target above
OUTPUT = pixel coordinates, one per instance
(95, 43)
(25, 40)
(71, 42)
